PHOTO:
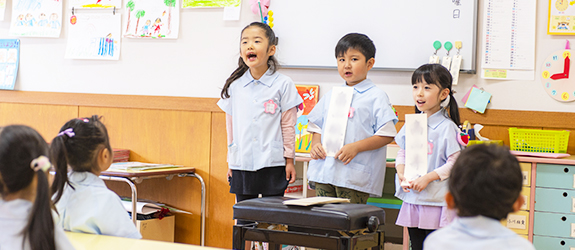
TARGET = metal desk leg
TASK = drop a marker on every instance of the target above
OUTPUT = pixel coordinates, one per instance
(134, 193)
(203, 206)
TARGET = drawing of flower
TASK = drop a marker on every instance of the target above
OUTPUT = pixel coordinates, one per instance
(309, 95)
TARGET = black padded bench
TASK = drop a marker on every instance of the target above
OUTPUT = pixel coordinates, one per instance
(331, 226)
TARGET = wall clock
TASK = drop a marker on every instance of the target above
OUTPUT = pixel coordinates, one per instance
(557, 81)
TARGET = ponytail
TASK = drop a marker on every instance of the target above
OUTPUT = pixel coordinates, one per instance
(20, 147)
(453, 109)
(239, 72)
(58, 157)
(273, 63)
(40, 228)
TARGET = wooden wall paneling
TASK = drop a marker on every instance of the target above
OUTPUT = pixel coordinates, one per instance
(111, 101)
(220, 226)
(46, 119)
(163, 136)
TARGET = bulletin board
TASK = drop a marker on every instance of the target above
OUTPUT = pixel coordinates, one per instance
(403, 31)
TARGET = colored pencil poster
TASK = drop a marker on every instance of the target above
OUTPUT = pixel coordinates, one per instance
(9, 59)
(98, 4)
(152, 19)
(310, 95)
(210, 3)
(94, 36)
(36, 18)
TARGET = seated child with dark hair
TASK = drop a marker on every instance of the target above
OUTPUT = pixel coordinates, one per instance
(484, 187)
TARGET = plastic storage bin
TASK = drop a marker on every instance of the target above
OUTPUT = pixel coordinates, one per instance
(537, 140)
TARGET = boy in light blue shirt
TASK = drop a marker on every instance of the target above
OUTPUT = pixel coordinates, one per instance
(358, 168)
(484, 187)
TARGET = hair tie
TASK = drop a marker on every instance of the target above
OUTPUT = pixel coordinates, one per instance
(40, 163)
(69, 132)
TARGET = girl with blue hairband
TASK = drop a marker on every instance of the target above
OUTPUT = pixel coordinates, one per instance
(83, 202)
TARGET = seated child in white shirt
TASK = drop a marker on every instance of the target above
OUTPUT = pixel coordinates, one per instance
(484, 187)
(25, 208)
(83, 202)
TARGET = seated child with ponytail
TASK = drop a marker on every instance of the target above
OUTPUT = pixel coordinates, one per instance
(25, 208)
(83, 202)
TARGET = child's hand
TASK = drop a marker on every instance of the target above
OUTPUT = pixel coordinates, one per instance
(317, 152)
(420, 183)
(290, 171)
(229, 173)
(346, 153)
(402, 179)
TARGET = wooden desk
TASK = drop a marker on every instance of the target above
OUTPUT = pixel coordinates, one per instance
(131, 177)
(82, 241)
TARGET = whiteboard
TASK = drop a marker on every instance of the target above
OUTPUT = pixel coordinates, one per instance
(403, 31)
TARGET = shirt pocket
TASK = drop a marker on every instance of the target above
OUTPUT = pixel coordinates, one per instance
(277, 153)
(359, 174)
(233, 155)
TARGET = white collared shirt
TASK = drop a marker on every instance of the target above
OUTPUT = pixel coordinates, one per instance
(371, 112)
(93, 208)
(14, 218)
(442, 136)
(256, 107)
(476, 233)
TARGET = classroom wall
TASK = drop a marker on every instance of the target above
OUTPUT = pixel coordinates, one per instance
(197, 64)
(509, 95)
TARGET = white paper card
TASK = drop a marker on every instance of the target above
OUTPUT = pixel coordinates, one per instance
(572, 248)
(516, 221)
(433, 59)
(572, 230)
(525, 177)
(415, 146)
(455, 67)
(525, 199)
(336, 121)
(232, 13)
(573, 204)
(446, 62)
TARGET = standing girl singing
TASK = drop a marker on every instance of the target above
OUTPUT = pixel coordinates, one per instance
(260, 106)
(424, 208)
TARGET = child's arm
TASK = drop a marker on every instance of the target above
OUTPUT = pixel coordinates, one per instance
(317, 151)
(288, 121)
(349, 151)
(440, 173)
(383, 136)
(400, 168)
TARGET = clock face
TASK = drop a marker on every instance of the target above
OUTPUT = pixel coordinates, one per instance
(561, 5)
(555, 76)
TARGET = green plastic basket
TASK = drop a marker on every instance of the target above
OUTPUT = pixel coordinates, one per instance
(537, 140)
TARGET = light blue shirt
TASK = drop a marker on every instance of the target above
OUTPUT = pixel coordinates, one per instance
(93, 208)
(365, 172)
(14, 218)
(442, 141)
(256, 107)
(476, 233)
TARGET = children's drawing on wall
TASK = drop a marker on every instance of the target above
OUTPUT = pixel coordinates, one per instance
(9, 58)
(95, 3)
(152, 19)
(310, 95)
(95, 36)
(210, 3)
(2, 9)
(36, 18)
